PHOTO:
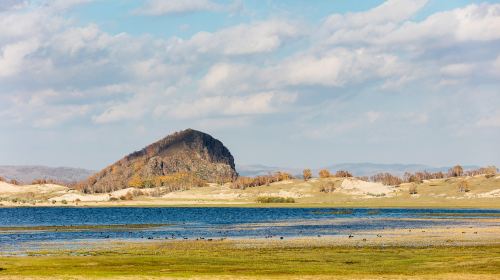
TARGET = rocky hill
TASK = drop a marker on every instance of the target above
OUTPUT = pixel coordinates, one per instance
(179, 160)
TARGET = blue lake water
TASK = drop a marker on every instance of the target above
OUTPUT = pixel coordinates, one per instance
(219, 222)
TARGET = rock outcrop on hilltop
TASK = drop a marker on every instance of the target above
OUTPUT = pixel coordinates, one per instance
(189, 156)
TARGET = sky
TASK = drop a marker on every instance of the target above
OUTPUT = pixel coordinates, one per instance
(280, 83)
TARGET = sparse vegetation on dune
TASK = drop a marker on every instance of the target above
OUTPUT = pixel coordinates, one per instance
(247, 182)
(420, 189)
(343, 174)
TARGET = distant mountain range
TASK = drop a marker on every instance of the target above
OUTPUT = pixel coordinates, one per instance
(26, 174)
(357, 169)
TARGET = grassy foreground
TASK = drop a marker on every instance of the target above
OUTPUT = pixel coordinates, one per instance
(232, 260)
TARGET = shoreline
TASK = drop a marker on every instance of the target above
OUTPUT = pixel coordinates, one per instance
(360, 205)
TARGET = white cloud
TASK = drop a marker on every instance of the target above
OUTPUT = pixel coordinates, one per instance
(256, 104)
(65, 4)
(243, 39)
(457, 70)
(225, 122)
(373, 116)
(57, 115)
(496, 66)
(390, 26)
(492, 120)
(389, 11)
(338, 127)
(471, 23)
(165, 7)
(140, 104)
(12, 56)
(12, 4)
(338, 67)
(225, 78)
(360, 26)
(239, 70)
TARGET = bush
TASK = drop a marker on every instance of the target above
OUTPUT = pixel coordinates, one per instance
(275, 199)
(307, 174)
(137, 193)
(343, 174)
(113, 198)
(323, 173)
(246, 182)
(64, 201)
(463, 186)
(489, 171)
(127, 196)
(327, 187)
(456, 171)
(418, 177)
(386, 179)
(15, 182)
(412, 189)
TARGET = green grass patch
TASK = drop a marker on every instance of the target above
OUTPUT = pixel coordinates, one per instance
(275, 199)
(202, 258)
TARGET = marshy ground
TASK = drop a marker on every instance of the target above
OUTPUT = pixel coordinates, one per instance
(418, 253)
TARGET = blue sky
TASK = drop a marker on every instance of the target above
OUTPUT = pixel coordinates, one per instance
(283, 83)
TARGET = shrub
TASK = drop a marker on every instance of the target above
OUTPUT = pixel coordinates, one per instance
(246, 182)
(386, 179)
(39, 182)
(418, 177)
(456, 171)
(15, 182)
(489, 171)
(307, 174)
(127, 196)
(327, 187)
(113, 198)
(412, 189)
(343, 174)
(137, 193)
(323, 173)
(53, 202)
(64, 201)
(275, 199)
(463, 186)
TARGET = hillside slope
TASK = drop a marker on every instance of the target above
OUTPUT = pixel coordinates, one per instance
(183, 158)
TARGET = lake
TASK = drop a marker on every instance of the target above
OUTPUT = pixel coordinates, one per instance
(53, 224)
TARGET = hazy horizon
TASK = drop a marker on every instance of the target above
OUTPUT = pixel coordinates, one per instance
(85, 82)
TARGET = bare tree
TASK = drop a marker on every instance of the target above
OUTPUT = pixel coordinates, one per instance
(456, 171)
(323, 173)
(307, 174)
(343, 174)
